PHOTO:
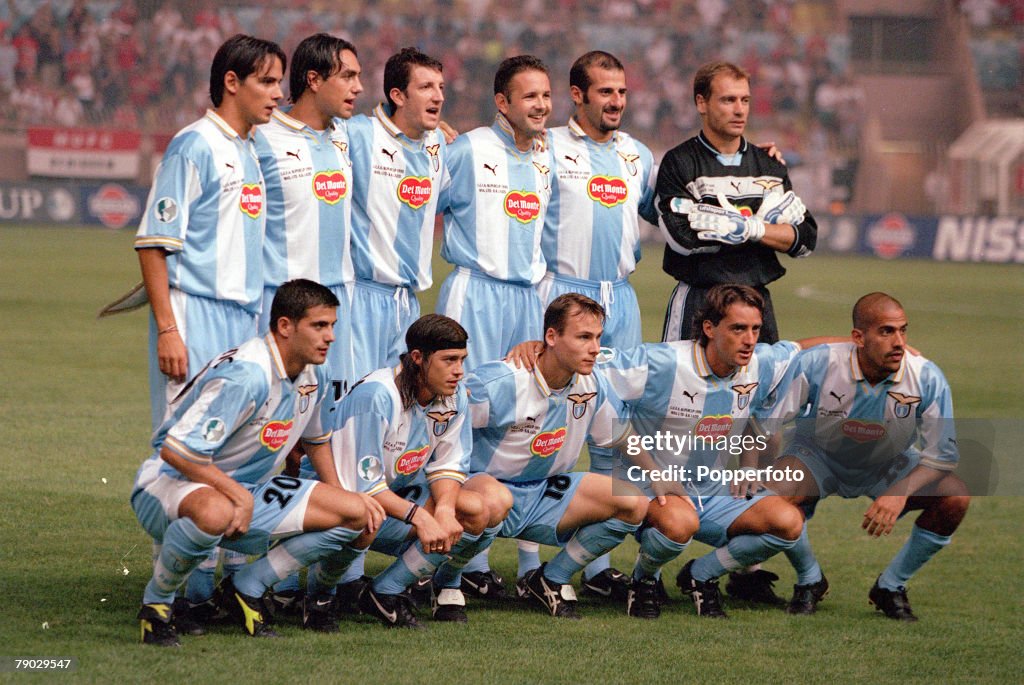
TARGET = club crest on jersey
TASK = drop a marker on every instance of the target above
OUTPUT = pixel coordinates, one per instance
(343, 148)
(630, 160)
(743, 394)
(863, 431)
(414, 191)
(548, 443)
(435, 159)
(545, 172)
(523, 206)
(713, 426)
(411, 461)
(330, 186)
(275, 434)
(213, 431)
(304, 392)
(903, 403)
(579, 403)
(251, 200)
(370, 468)
(441, 420)
(768, 184)
(166, 210)
(609, 191)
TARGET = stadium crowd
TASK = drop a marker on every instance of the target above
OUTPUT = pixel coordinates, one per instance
(142, 65)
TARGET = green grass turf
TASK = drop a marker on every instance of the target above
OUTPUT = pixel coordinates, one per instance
(74, 409)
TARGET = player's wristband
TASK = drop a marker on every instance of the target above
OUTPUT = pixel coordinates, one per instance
(412, 512)
(169, 329)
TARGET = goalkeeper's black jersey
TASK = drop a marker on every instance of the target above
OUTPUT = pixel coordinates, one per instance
(692, 171)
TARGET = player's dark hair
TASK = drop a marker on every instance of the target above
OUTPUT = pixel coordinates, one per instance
(707, 73)
(428, 334)
(569, 304)
(243, 55)
(321, 53)
(398, 69)
(579, 73)
(867, 307)
(717, 303)
(513, 65)
(295, 298)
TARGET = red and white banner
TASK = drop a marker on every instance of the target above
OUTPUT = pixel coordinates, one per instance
(83, 153)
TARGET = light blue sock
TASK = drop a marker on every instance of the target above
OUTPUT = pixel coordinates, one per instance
(586, 544)
(803, 560)
(528, 557)
(356, 570)
(413, 563)
(449, 574)
(288, 556)
(480, 563)
(601, 461)
(232, 561)
(742, 551)
(922, 546)
(324, 576)
(201, 583)
(656, 550)
(289, 584)
(184, 547)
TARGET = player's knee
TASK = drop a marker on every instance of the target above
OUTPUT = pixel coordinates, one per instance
(787, 522)
(499, 502)
(954, 507)
(471, 511)
(364, 539)
(632, 508)
(678, 524)
(210, 511)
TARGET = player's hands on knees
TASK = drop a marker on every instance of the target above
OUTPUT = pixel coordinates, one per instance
(525, 354)
(431, 535)
(242, 517)
(172, 356)
(375, 514)
(882, 515)
(451, 526)
(663, 489)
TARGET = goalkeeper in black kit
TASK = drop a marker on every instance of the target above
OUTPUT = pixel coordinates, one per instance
(726, 207)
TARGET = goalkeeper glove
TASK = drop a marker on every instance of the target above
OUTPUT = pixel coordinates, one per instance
(725, 224)
(782, 208)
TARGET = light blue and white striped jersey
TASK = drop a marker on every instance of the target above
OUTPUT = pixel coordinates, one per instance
(494, 201)
(592, 230)
(207, 209)
(396, 182)
(670, 387)
(242, 414)
(378, 445)
(524, 431)
(861, 426)
(308, 176)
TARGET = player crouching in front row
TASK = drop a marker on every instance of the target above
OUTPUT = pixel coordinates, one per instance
(208, 481)
(404, 438)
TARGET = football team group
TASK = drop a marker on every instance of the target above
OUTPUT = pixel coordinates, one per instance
(304, 411)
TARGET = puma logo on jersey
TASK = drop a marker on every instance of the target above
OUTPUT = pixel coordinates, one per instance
(903, 404)
(839, 398)
(690, 395)
(492, 169)
(229, 166)
(574, 160)
(735, 185)
(391, 155)
(289, 153)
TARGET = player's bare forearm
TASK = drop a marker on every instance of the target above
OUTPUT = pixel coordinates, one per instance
(172, 355)
(322, 459)
(394, 506)
(779, 237)
(919, 479)
(445, 493)
(525, 354)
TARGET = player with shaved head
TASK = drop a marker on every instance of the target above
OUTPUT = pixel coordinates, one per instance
(879, 423)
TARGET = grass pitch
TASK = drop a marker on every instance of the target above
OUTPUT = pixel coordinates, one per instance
(73, 560)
